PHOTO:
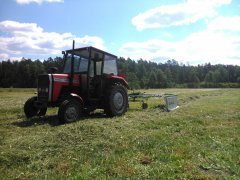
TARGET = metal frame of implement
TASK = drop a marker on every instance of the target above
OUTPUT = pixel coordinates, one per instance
(170, 99)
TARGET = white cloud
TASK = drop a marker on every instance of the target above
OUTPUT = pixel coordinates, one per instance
(226, 23)
(215, 44)
(148, 50)
(187, 12)
(37, 1)
(23, 39)
(4, 56)
(209, 46)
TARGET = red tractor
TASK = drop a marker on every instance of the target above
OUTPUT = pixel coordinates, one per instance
(89, 81)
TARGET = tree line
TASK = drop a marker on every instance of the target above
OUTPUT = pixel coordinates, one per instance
(144, 74)
(139, 74)
(24, 73)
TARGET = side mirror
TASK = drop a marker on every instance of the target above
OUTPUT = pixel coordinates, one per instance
(122, 75)
(63, 52)
(53, 70)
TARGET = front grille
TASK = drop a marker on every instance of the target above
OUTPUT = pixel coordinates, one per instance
(43, 87)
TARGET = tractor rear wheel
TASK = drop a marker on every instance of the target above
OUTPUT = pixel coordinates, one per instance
(70, 110)
(30, 110)
(117, 100)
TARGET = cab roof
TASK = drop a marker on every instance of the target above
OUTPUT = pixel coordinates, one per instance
(89, 49)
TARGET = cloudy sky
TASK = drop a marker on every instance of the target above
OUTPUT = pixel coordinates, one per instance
(189, 31)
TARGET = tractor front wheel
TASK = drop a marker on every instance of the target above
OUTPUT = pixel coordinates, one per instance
(30, 110)
(117, 100)
(70, 110)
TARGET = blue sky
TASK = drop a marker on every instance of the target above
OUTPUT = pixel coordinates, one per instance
(189, 31)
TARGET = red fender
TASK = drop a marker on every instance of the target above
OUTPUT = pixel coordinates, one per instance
(76, 96)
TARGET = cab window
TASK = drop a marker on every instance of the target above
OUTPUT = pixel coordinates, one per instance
(110, 65)
(80, 64)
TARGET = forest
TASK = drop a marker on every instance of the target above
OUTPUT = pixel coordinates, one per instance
(139, 74)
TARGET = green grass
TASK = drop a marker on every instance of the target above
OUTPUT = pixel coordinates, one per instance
(200, 140)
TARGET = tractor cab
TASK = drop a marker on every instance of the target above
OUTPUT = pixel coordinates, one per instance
(94, 67)
(91, 61)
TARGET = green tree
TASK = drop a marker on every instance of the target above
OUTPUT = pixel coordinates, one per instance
(209, 77)
(161, 79)
(152, 80)
(133, 81)
(194, 81)
(223, 74)
(168, 74)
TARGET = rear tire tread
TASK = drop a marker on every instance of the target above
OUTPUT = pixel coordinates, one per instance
(109, 109)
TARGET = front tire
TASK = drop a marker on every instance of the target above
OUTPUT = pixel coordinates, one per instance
(30, 110)
(117, 100)
(70, 110)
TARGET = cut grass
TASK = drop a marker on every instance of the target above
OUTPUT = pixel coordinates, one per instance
(199, 140)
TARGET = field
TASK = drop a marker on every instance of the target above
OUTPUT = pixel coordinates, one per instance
(200, 140)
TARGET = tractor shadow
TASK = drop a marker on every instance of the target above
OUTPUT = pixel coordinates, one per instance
(53, 120)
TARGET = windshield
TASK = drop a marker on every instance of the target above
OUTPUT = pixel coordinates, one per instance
(80, 64)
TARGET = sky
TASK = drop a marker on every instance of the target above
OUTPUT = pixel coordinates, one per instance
(189, 31)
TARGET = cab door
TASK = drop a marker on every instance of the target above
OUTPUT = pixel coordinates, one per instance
(95, 74)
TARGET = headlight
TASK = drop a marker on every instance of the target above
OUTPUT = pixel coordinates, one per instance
(46, 90)
(43, 90)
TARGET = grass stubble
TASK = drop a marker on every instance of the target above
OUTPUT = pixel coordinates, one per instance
(199, 140)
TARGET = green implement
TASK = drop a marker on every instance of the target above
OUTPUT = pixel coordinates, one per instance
(170, 99)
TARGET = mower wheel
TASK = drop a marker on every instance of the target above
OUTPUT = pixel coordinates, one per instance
(117, 100)
(70, 110)
(144, 105)
(30, 110)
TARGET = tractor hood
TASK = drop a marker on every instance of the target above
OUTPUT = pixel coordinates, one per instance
(64, 78)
